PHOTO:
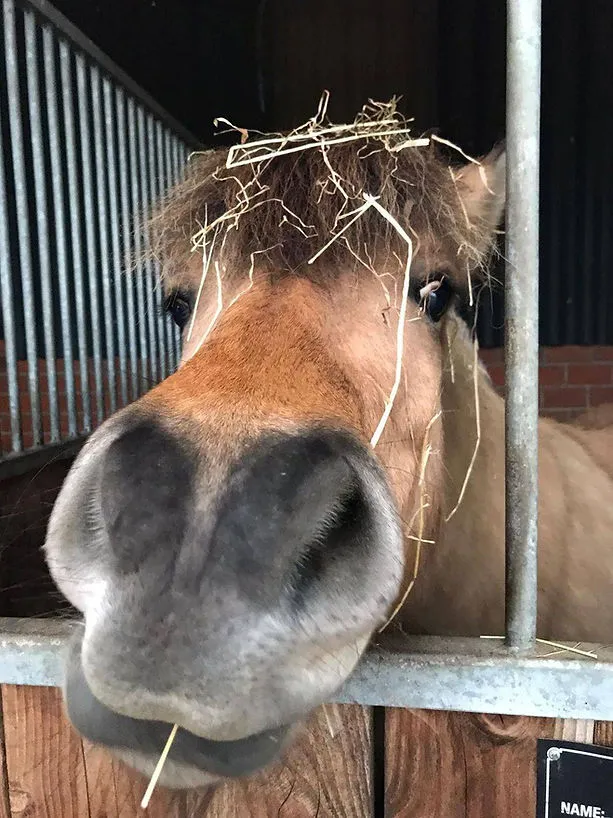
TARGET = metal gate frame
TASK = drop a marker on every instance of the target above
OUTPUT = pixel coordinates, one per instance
(89, 152)
(506, 676)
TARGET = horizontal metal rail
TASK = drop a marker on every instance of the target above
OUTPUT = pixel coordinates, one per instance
(476, 676)
(426, 673)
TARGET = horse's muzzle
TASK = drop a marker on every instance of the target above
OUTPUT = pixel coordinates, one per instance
(144, 739)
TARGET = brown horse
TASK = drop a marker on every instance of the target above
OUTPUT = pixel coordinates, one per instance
(235, 537)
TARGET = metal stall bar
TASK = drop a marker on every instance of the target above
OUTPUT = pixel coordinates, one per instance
(117, 267)
(171, 180)
(103, 234)
(147, 271)
(521, 324)
(42, 219)
(124, 198)
(181, 155)
(23, 216)
(423, 673)
(90, 230)
(164, 184)
(172, 175)
(57, 183)
(138, 246)
(7, 304)
(179, 158)
(156, 189)
(75, 230)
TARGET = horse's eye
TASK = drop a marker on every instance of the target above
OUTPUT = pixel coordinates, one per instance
(435, 298)
(179, 308)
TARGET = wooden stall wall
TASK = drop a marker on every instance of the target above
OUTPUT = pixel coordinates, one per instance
(48, 772)
(355, 49)
(401, 764)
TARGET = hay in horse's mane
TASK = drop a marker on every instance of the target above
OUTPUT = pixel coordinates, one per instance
(286, 196)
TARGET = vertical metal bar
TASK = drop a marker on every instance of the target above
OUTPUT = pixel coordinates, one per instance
(521, 330)
(124, 198)
(7, 304)
(164, 184)
(90, 230)
(59, 216)
(103, 233)
(75, 230)
(117, 273)
(173, 177)
(179, 159)
(42, 219)
(23, 216)
(147, 271)
(176, 159)
(155, 191)
(138, 244)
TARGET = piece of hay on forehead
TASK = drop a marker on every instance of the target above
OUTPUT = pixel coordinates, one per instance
(260, 196)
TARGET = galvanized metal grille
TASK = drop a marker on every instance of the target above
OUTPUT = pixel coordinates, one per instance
(83, 153)
(128, 154)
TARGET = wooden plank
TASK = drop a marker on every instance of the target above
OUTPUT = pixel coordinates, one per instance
(327, 774)
(52, 774)
(603, 733)
(581, 730)
(5, 809)
(44, 756)
(115, 790)
(449, 765)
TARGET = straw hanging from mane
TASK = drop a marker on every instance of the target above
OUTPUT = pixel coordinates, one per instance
(293, 194)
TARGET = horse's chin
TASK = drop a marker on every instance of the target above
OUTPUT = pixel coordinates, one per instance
(193, 761)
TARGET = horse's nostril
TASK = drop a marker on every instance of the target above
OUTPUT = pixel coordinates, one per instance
(294, 507)
(340, 533)
(146, 486)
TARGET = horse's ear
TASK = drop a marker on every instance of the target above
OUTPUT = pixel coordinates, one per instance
(482, 188)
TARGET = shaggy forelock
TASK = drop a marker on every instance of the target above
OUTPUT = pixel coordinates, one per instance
(294, 208)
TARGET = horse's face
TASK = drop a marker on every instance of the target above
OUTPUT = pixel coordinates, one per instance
(232, 539)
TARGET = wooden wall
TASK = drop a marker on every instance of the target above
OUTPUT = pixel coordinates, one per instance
(401, 764)
(355, 49)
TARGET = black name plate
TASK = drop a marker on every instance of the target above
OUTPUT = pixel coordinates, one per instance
(574, 779)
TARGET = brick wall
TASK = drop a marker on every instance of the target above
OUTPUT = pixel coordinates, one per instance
(572, 378)
(24, 399)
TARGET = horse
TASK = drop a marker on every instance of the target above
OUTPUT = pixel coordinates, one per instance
(327, 460)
